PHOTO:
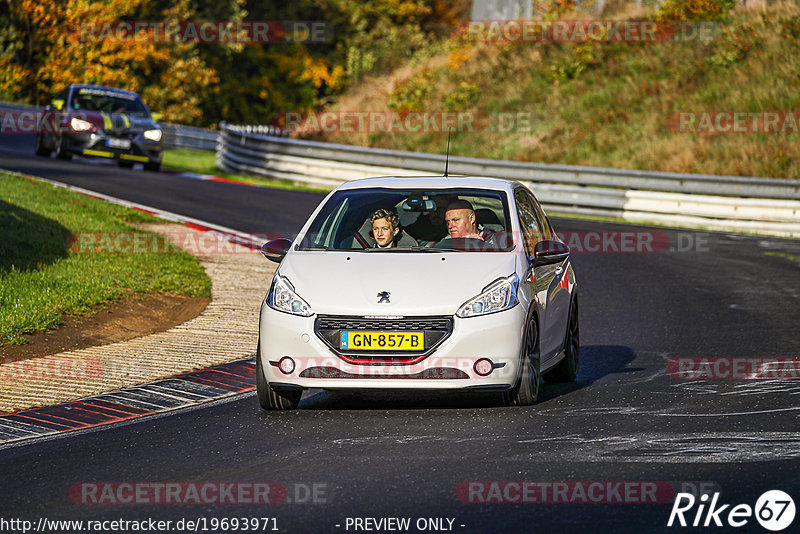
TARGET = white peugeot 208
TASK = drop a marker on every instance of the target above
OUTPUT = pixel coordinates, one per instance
(445, 283)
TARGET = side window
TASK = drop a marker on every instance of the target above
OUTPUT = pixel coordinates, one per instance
(547, 232)
(527, 220)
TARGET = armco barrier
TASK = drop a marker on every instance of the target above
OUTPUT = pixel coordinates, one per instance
(181, 136)
(768, 206)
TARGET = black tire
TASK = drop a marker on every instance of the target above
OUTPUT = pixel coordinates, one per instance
(61, 149)
(269, 398)
(40, 148)
(125, 164)
(155, 167)
(567, 368)
(526, 391)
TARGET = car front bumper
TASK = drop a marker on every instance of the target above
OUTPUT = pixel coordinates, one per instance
(141, 150)
(497, 337)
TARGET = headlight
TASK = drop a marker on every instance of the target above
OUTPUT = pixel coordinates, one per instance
(153, 135)
(283, 298)
(498, 296)
(80, 125)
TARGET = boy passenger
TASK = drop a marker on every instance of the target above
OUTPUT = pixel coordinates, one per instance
(385, 227)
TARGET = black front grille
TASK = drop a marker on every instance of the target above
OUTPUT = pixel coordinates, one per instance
(404, 324)
(329, 328)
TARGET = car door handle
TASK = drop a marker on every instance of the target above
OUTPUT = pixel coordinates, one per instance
(559, 269)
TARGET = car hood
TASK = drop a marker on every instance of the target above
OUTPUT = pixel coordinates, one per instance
(421, 283)
(117, 121)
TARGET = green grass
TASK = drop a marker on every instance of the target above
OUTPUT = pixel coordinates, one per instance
(43, 276)
(205, 162)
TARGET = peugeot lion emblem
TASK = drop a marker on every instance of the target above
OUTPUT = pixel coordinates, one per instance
(383, 296)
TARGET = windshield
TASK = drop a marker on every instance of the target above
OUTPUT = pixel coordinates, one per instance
(418, 220)
(107, 101)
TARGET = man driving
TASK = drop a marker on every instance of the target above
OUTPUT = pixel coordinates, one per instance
(460, 219)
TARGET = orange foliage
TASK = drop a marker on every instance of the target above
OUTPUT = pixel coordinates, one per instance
(67, 48)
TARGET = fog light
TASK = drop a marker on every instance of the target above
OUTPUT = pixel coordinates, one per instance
(286, 365)
(483, 367)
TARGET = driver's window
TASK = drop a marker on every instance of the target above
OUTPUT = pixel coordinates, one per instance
(527, 220)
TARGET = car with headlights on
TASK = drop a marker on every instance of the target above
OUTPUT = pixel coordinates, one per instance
(491, 310)
(100, 122)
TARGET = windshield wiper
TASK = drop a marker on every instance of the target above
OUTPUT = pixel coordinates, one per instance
(433, 249)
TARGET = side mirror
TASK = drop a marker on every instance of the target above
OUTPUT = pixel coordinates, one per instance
(276, 249)
(548, 252)
(58, 103)
(157, 116)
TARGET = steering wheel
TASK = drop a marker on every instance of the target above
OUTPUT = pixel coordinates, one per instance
(461, 243)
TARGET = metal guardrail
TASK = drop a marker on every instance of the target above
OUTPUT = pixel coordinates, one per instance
(760, 205)
(182, 136)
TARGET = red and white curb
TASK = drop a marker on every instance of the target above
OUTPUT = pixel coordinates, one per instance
(173, 393)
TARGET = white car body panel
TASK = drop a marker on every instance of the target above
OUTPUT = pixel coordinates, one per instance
(429, 283)
(347, 283)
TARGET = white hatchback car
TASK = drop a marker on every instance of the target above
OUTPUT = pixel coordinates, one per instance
(491, 308)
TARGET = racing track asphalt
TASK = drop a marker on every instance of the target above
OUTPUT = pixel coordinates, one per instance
(376, 455)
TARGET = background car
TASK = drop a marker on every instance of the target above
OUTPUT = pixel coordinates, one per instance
(479, 314)
(98, 121)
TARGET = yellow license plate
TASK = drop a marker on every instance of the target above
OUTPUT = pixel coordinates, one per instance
(382, 341)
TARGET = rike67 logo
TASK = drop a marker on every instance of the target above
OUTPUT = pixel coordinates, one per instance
(774, 510)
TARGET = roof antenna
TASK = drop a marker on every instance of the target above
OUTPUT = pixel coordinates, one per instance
(447, 158)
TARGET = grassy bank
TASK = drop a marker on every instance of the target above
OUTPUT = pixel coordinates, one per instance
(609, 104)
(44, 274)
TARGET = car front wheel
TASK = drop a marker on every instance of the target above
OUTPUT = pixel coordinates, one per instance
(526, 391)
(272, 399)
(567, 368)
(61, 149)
(40, 148)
